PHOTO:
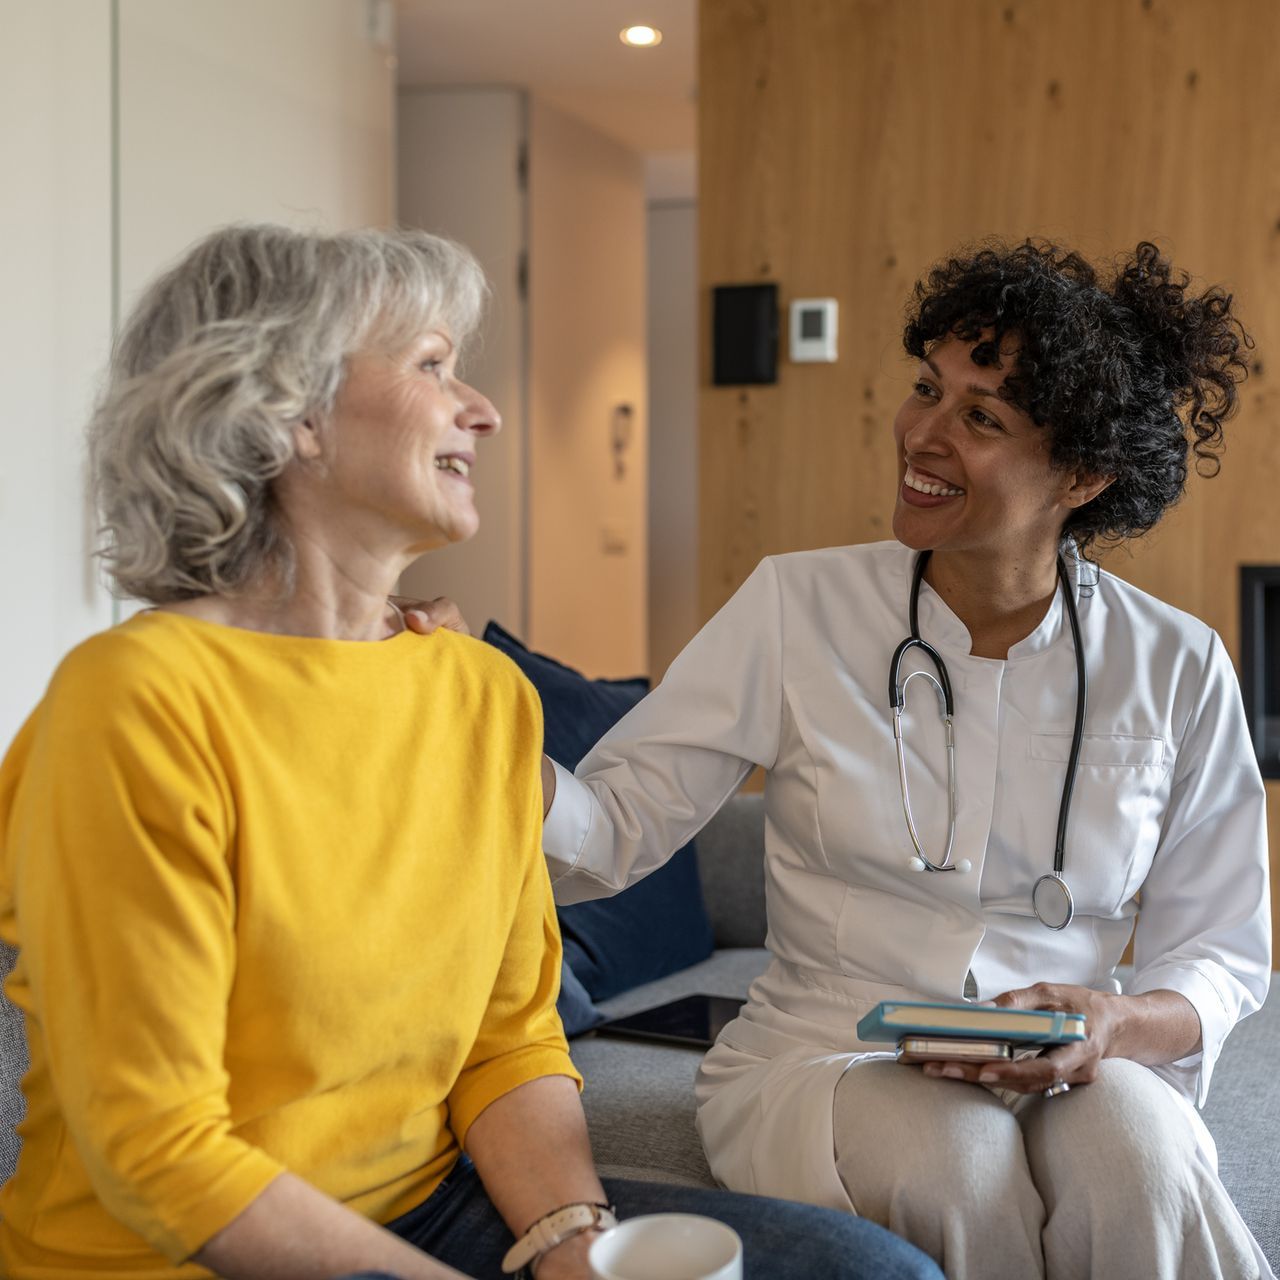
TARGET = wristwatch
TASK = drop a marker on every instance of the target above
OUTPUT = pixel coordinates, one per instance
(555, 1228)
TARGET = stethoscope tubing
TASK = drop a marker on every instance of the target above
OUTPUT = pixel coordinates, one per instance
(1077, 732)
(946, 705)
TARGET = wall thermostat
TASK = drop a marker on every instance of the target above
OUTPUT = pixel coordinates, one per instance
(813, 329)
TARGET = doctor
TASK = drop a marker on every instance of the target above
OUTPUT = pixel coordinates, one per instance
(1051, 408)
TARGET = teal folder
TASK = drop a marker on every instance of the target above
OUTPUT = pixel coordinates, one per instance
(893, 1019)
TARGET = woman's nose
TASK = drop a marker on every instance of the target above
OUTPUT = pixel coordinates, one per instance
(928, 432)
(476, 414)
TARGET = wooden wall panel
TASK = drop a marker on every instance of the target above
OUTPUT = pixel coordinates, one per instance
(846, 144)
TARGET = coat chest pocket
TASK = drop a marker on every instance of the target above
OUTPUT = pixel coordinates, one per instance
(1117, 811)
(1101, 750)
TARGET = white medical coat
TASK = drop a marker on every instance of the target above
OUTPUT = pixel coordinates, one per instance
(792, 674)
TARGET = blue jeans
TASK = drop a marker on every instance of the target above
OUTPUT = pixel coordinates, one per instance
(781, 1240)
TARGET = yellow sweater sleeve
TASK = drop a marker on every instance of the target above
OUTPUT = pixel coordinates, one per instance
(521, 1037)
(126, 909)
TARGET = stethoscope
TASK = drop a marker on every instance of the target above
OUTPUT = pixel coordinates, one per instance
(1050, 898)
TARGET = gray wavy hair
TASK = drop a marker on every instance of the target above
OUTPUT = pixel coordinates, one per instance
(223, 355)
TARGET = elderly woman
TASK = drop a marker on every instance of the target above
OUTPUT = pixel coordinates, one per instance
(1105, 788)
(272, 997)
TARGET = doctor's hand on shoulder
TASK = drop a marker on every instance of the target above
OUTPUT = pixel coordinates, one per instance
(1152, 1028)
(426, 616)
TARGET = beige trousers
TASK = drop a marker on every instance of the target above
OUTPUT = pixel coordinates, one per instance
(1107, 1180)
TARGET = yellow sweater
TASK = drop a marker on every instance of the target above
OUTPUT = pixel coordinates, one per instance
(280, 904)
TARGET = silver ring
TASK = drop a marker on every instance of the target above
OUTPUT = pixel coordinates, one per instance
(1057, 1087)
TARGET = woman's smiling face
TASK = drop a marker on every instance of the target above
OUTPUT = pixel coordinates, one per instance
(974, 471)
(402, 440)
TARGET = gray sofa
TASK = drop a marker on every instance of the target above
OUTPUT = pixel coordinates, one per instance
(639, 1097)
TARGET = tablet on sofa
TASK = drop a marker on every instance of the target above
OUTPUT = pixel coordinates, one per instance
(696, 1020)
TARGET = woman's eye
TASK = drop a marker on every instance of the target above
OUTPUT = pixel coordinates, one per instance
(924, 389)
(984, 420)
(432, 365)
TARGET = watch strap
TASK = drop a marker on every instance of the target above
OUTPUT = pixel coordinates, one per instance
(555, 1228)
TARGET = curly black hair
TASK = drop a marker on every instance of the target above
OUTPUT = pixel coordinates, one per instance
(1122, 373)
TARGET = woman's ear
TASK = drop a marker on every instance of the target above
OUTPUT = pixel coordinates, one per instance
(1084, 488)
(306, 440)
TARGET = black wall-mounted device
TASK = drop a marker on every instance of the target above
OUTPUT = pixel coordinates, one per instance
(744, 334)
(1260, 661)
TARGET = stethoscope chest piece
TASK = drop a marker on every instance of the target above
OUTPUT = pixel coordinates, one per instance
(1051, 901)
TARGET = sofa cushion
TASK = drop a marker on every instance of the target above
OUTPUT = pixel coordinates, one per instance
(1243, 1114)
(639, 1096)
(657, 926)
(731, 866)
(577, 1010)
(13, 1066)
(640, 1109)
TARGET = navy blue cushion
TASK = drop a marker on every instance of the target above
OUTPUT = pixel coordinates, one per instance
(576, 1009)
(655, 927)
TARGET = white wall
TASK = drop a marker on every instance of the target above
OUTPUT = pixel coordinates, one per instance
(227, 109)
(458, 160)
(244, 110)
(55, 324)
(673, 429)
(588, 527)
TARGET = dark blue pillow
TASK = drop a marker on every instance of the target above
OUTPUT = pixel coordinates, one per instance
(575, 1007)
(655, 927)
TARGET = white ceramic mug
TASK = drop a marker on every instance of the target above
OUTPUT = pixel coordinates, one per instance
(667, 1246)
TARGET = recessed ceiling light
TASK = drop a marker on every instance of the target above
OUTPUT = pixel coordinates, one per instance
(640, 37)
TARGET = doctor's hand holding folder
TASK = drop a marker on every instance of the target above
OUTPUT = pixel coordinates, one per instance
(1038, 1039)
